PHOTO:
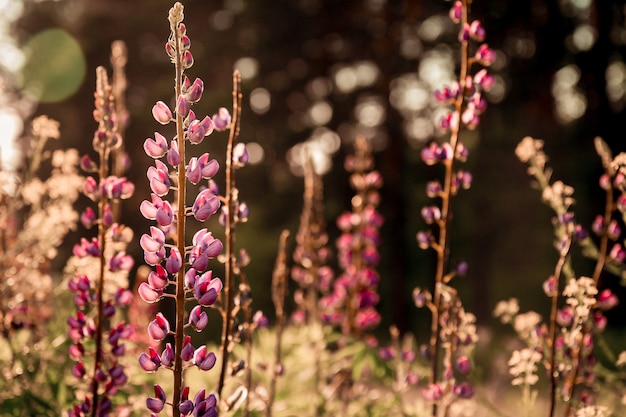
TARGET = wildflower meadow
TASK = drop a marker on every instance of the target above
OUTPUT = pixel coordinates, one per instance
(294, 219)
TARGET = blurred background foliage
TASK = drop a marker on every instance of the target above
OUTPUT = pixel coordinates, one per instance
(321, 71)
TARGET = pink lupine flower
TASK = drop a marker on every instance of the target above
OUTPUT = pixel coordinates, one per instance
(159, 327)
(240, 155)
(205, 205)
(158, 176)
(161, 113)
(221, 120)
(151, 361)
(156, 147)
(194, 92)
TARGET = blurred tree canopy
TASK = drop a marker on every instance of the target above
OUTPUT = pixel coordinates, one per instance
(321, 71)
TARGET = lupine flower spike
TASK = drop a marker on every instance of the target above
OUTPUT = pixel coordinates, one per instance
(467, 102)
(99, 293)
(186, 268)
(351, 304)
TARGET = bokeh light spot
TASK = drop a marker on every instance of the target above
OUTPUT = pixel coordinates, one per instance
(55, 66)
(260, 100)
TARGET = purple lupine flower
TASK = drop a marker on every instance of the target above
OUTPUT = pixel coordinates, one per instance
(203, 359)
(205, 205)
(221, 120)
(159, 327)
(157, 403)
(159, 178)
(198, 319)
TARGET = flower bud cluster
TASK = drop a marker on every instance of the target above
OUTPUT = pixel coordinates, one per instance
(179, 271)
(97, 335)
(351, 304)
(467, 93)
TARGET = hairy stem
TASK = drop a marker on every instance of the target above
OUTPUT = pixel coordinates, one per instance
(180, 239)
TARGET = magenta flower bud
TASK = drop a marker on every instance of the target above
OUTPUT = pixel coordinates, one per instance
(206, 289)
(198, 319)
(243, 211)
(78, 370)
(565, 317)
(463, 390)
(195, 132)
(157, 279)
(157, 403)
(429, 154)
(123, 297)
(170, 49)
(174, 262)
(88, 218)
(617, 253)
(107, 217)
(470, 117)
(463, 365)
(194, 92)
(186, 406)
(485, 55)
(76, 351)
(205, 205)
(433, 392)
(194, 171)
(108, 309)
(613, 230)
(155, 148)
(167, 356)
(367, 318)
(456, 12)
(484, 79)
(149, 294)
(203, 360)
(185, 42)
(186, 353)
(182, 106)
(606, 300)
(161, 113)
(208, 167)
(190, 278)
(221, 120)
(618, 181)
(424, 239)
(186, 59)
(449, 121)
(598, 225)
(87, 165)
(159, 327)
(90, 188)
(159, 178)
(431, 214)
(549, 286)
(477, 31)
(150, 362)
(173, 156)
(240, 155)
(121, 262)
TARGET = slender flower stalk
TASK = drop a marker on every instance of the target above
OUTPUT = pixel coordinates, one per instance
(107, 374)
(177, 265)
(351, 304)
(465, 97)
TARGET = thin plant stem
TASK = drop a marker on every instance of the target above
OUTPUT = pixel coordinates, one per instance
(180, 236)
(279, 291)
(227, 317)
(553, 313)
(446, 195)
